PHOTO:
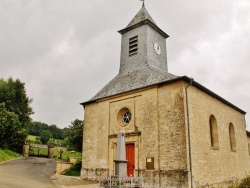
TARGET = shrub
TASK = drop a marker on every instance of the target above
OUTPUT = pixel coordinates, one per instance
(245, 183)
(77, 166)
(75, 169)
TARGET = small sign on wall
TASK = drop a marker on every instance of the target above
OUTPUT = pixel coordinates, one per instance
(150, 163)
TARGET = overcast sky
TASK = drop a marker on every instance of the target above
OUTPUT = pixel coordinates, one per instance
(67, 50)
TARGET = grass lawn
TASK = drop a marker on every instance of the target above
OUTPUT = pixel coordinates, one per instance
(7, 155)
(31, 138)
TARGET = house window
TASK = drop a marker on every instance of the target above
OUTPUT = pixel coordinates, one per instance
(232, 137)
(213, 133)
(133, 45)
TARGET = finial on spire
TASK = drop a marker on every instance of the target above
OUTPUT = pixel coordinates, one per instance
(142, 3)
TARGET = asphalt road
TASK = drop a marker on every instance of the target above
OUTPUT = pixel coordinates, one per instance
(28, 172)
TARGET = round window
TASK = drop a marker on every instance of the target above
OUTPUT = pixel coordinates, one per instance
(124, 116)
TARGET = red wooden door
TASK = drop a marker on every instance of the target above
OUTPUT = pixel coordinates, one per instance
(130, 155)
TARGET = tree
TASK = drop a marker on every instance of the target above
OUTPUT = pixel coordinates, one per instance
(9, 126)
(75, 135)
(56, 132)
(16, 111)
(45, 136)
(36, 128)
(13, 94)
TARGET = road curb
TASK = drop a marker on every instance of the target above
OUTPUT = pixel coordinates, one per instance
(10, 160)
(55, 178)
(55, 181)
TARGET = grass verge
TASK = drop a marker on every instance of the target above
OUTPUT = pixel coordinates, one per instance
(7, 155)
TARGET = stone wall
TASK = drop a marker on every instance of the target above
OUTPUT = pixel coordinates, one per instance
(222, 165)
(159, 131)
(248, 139)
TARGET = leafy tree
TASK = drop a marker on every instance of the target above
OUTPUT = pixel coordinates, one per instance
(56, 132)
(36, 128)
(45, 136)
(38, 140)
(15, 115)
(9, 126)
(75, 135)
(13, 94)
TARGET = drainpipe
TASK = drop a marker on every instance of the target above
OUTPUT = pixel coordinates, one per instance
(189, 132)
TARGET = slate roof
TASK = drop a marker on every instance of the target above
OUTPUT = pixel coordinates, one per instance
(139, 78)
(141, 16)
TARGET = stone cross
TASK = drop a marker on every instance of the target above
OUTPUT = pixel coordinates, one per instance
(120, 161)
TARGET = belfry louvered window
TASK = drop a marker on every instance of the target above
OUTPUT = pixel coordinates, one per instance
(133, 45)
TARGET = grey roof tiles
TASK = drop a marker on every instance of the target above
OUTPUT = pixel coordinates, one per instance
(141, 16)
(136, 79)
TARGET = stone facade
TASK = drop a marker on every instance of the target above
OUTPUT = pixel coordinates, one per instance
(222, 165)
(170, 131)
(248, 138)
(158, 129)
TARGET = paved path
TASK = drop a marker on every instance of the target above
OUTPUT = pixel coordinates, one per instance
(27, 173)
(33, 172)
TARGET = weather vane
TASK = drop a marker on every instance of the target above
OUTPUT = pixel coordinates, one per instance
(142, 2)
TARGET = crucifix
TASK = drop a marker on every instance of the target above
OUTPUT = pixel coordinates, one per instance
(143, 2)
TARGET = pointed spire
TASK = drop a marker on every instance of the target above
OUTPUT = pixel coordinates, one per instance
(141, 16)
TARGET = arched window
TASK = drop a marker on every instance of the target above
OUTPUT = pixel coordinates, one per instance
(213, 132)
(232, 137)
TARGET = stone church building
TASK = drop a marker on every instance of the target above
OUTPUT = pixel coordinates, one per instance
(178, 133)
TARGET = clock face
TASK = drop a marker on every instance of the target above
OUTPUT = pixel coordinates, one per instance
(157, 48)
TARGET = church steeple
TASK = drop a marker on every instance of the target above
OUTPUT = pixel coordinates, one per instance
(141, 16)
(143, 59)
(143, 44)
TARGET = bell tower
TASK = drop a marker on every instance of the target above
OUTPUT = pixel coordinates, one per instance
(143, 44)
(143, 58)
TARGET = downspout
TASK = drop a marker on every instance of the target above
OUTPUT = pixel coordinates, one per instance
(189, 133)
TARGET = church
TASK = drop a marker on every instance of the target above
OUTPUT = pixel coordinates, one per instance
(178, 133)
